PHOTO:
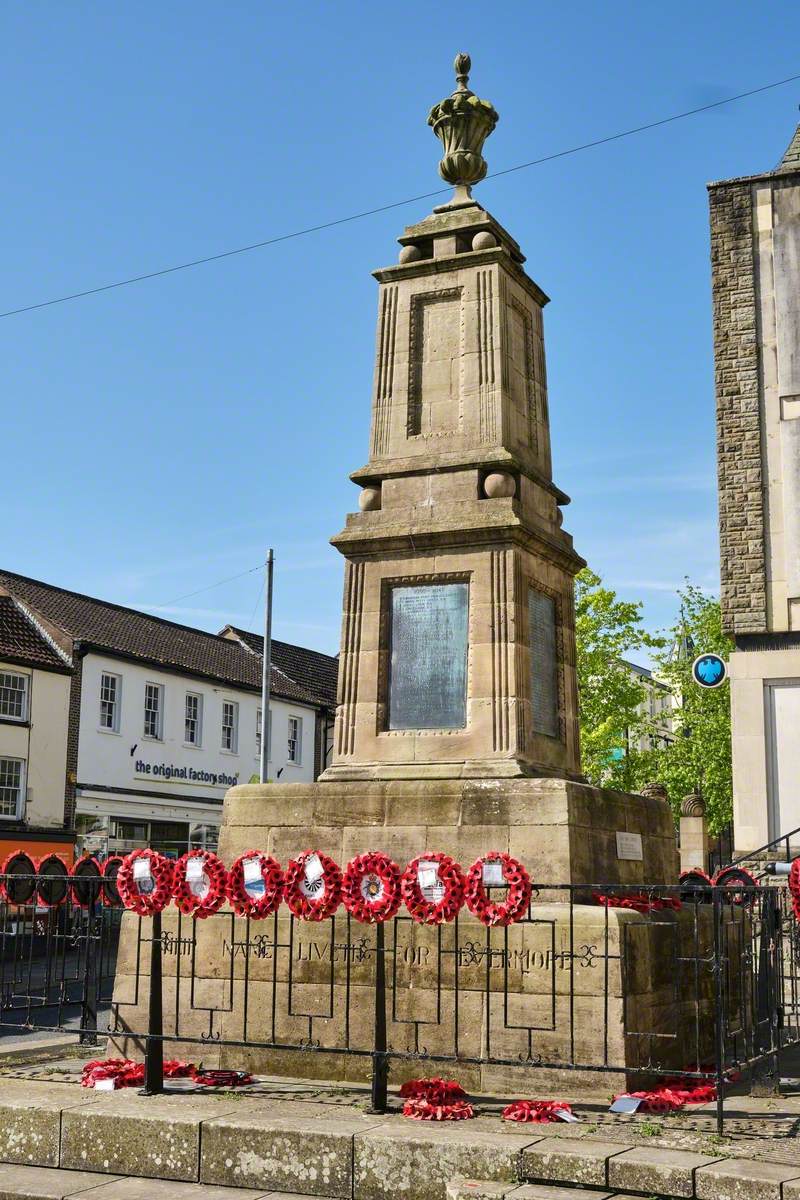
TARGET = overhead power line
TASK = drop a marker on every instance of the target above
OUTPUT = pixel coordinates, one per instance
(371, 212)
(211, 586)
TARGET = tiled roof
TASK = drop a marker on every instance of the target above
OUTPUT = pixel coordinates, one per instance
(138, 635)
(21, 642)
(315, 671)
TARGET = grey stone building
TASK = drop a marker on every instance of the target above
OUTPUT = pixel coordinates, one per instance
(755, 257)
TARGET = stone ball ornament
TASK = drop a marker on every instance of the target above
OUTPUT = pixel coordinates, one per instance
(484, 240)
(462, 122)
(409, 254)
(499, 485)
(369, 499)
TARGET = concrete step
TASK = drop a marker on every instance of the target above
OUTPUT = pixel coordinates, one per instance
(55, 1183)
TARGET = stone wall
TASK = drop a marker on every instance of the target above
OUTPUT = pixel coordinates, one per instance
(739, 446)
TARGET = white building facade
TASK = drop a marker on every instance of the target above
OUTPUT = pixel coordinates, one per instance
(35, 682)
(166, 718)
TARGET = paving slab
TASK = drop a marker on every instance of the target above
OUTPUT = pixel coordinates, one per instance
(480, 1189)
(566, 1160)
(741, 1179)
(417, 1161)
(660, 1172)
(162, 1189)
(547, 1191)
(30, 1120)
(269, 1149)
(45, 1183)
(126, 1134)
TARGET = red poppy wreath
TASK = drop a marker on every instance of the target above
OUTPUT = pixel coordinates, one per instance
(794, 886)
(144, 882)
(18, 882)
(313, 886)
(497, 870)
(371, 887)
(433, 888)
(199, 883)
(111, 866)
(85, 880)
(52, 881)
(734, 879)
(255, 885)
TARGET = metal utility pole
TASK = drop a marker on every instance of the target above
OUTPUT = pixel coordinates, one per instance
(266, 670)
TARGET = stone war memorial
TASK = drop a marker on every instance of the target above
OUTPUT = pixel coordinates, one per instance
(456, 732)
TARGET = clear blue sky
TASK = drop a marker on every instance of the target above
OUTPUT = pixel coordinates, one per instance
(159, 438)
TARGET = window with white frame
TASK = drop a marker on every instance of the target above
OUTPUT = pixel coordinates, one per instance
(193, 727)
(295, 742)
(12, 787)
(110, 689)
(259, 727)
(13, 696)
(154, 710)
(230, 726)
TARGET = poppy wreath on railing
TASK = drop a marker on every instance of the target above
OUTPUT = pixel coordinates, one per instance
(371, 887)
(144, 882)
(18, 885)
(735, 878)
(794, 887)
(85, 880)
(433, 888)
(255, 885)
(199, 883)
(695, 885)
(497, 870)
(312, 886)
(110, 891)
(52, 880)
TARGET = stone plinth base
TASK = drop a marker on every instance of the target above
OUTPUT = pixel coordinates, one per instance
(573, 986)
(571, 996)
(563, 832)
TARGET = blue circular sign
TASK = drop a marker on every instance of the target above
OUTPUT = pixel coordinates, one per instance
(709, 670)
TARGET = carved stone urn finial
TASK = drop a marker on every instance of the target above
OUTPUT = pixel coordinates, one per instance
(462, 122)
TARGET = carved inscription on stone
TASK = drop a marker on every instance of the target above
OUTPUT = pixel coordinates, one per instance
(428, 666)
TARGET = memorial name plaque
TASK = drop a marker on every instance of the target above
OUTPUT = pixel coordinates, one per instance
(428, 672)
(629, 846)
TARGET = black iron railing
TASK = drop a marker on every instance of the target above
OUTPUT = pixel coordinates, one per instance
(700, 988)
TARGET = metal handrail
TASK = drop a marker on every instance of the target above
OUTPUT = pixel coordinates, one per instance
(783, 839)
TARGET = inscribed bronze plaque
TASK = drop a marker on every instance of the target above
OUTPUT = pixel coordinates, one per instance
(428, 673)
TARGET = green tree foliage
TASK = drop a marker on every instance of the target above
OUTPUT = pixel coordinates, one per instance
(700, 757)
(614, 717)
(610, 696)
